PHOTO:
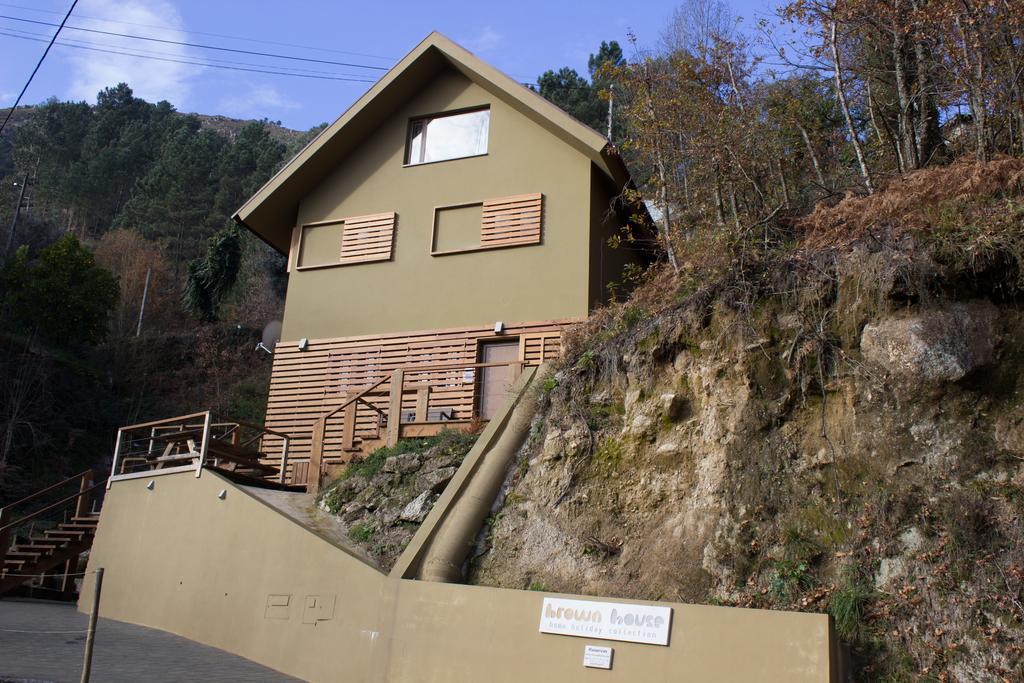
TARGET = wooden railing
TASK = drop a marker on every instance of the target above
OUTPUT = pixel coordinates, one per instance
(192, 442)
(397, 388)
(78, 504)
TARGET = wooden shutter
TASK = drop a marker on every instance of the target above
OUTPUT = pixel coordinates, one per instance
(367, 238)
(511, 220)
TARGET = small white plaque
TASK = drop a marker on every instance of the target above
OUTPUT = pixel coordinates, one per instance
(597, 657)
(606, 620)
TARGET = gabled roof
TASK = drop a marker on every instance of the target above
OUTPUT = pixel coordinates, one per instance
(270, 213)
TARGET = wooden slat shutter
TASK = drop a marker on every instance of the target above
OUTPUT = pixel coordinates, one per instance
(367, 238)
(511, 220)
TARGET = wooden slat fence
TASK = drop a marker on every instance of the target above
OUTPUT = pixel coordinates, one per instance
(306, 384)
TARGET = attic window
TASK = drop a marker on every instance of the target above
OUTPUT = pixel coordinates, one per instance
(447, 136)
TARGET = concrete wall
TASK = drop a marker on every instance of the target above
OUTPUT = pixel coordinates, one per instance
(416, 291)
(180, 559)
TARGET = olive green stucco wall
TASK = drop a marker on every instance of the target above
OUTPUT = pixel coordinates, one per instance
(417, 291)
(216, 570)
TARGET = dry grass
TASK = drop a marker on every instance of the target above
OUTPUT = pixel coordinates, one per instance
(915, 202)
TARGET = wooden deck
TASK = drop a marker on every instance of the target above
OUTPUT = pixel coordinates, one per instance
(306, 385)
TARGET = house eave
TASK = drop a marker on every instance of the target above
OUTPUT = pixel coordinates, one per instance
(271, 212)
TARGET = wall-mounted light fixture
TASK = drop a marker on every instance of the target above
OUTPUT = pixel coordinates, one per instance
(499, 327)
(303, 344)
(150, 485)
(223, 494)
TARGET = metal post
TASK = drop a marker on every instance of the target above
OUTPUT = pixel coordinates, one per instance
(117, 454)
(91, 636)
(206, 443)
(142, 307)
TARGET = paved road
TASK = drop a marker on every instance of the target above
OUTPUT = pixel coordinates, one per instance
(123, 652)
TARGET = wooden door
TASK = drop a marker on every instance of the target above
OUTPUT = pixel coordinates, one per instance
(495, 382)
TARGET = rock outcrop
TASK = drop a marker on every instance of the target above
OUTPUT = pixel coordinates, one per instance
(938, 345)
(383, 499)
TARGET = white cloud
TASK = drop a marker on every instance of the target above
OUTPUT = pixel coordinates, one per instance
(258, 100)
(149, 79)
(487, 39)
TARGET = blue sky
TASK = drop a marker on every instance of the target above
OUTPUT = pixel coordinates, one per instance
(521, 38)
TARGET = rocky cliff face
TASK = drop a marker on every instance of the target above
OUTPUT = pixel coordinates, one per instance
(845, 442)
(382, 500)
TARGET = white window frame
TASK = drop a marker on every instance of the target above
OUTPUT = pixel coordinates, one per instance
(433, 117)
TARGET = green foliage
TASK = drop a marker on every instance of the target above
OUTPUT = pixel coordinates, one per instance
(609, 454)
(580, 98)
(799, 546)
(847, 608)
(449, 441)
(209, 278)
(586, 362)
(62, 295)
(362, 533)
(536, 586)
(789, 578)
(548, 385)
(574, 95)
(172, 199)
(632, 316)
(248, 400)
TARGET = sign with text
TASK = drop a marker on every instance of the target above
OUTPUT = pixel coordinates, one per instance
(597, 657)
(606, 620)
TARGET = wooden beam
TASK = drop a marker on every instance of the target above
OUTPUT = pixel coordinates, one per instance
(316, 451)
(395, 406)
(348, 430)
(422, 401)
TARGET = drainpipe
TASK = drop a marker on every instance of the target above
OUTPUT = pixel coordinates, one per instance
(455, 535)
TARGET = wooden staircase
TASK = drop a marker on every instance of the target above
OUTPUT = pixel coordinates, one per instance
(48, 531)
(52, 537)
(55, 548)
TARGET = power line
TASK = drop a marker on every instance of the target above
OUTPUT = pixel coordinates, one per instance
(71, 42)
(200, 45)
(38, 64)
(202, 33)
(192, 63)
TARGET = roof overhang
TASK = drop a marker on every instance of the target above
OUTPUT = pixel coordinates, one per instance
(271, 212)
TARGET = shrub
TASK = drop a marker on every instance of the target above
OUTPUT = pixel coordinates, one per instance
(448, 441)
(847, 608)
(362, 533)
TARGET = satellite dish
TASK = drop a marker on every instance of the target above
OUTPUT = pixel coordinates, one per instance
(272, 334)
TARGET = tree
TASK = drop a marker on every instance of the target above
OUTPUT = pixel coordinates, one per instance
(130, 256)
(62, 295)
(586, 101)
(574, 95)
(211, 277)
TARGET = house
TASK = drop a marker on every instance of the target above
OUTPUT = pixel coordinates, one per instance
(449, 224)
(440, 235)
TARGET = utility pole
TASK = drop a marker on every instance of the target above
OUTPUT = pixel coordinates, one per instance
(611, 101)
(17, 212)
(142, 306)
